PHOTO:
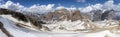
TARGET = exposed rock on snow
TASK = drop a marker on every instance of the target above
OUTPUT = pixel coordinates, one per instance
(68, 24)
(108, 15)
(63, 14)
(97, 15)
(17, 16)
(4, 30)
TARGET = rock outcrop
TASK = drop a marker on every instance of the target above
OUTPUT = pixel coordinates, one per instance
(108, 15)
(76, 15)
(21, 17)
(14, 14)
(4, 30)
(97, 15)
(63, 14)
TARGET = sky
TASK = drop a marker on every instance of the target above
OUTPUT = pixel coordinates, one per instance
(42, 6)
(66, 3)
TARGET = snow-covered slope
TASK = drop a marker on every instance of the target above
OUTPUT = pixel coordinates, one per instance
(15, 24)
(10, 26)
(57, 31)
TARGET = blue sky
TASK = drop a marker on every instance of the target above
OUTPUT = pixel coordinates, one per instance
(66, 3)
(51, 5)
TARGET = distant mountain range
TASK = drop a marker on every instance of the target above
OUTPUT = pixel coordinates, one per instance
(72, 20)
(73, 15)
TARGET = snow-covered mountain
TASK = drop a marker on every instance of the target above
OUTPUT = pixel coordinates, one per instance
(60, 23)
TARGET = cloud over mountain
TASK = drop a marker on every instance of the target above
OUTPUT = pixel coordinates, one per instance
(34, 8)
(50, 7)
(81, 1)
(105, 6)
(12, 6)
(40, 8)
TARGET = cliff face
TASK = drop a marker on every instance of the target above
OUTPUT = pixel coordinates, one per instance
(59, 15)
(97, 15)
(74, 15)
(108, 15)
(63, 14)
(80, 22)
(14, 14)
(21, 17)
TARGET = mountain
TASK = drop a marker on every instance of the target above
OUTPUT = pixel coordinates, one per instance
(63, 14)
(74, 15)
(97, 15)
(4, 30)
(59, 23)
(108, 15)
(21, 17)
(100, 15)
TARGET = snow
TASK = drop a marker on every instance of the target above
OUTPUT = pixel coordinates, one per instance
(2, 34)
(68, 29)
(100, 34)
(16, 33)
(13, 19)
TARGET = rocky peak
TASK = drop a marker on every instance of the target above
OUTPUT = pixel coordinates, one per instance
(97, 15)
(108, 15)
(61, 11)
(63, 14)
(76, 15)
(21, 17)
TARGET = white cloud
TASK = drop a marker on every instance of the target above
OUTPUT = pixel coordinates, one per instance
(72, 8)
(110, 5)
(12, 6)
(41, 8)
(46, 8)
(87, 9)
(68, 8)
(97, 6)
(81, 1)
(60, 7)
(107, 5)
(91, 7)
(34, 8)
